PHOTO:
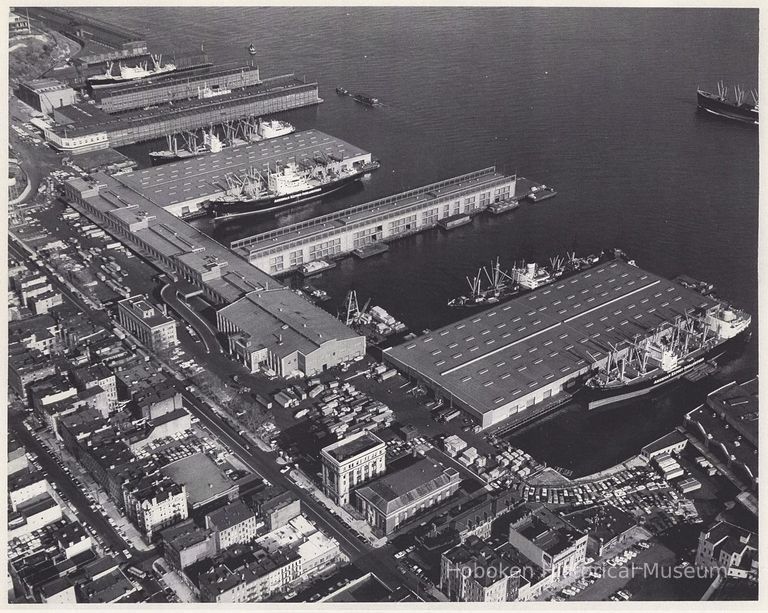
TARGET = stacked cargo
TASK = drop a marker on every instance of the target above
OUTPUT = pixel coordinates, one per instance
(454, 445)
(669, 467)
(469, 456)
(688, 485)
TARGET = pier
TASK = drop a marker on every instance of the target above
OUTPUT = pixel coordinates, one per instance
(83, 127)
(336, 234)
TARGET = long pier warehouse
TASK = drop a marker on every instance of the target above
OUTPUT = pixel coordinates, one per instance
(500, 363)
(287, 248)
(181, 186)
(83, 127)
(282, 330)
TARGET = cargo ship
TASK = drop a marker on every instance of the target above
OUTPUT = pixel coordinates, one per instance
(189, 149)
(290, 184)
(738, 109)
(126, 74)
(669, 353)
(236, 134)
(490, 288)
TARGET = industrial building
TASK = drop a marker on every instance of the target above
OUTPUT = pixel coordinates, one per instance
(202, 479)
(180, 187)
(220, 276)
(287, 248)
(274, 330)
(45, 95)
(84, 127)
(186, 85)
(726, 427)
(499, 363)
(351, 462)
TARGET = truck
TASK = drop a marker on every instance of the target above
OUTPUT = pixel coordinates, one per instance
(452, 415)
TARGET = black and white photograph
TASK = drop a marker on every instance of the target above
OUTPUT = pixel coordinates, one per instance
(415, 305)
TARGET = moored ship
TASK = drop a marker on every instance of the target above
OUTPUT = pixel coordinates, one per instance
(289, 184)
(738, 109)
(667, 354)
(126, 74)
(236, 134)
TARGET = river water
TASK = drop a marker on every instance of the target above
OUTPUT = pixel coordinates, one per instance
(600, 103)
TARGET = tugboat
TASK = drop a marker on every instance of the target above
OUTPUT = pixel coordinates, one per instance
(738, 109)
(251, 50)
(342, 92)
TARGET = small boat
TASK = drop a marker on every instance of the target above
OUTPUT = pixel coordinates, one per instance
(316, 267)
(342, 92)
(251, 49)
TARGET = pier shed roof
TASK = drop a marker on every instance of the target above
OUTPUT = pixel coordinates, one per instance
(499, 356)
(204, 176)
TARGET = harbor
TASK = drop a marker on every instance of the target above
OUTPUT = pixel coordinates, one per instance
(390, 356)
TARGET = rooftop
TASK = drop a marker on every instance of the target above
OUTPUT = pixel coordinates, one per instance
(402, 488)
(229, 516)
(44, 85)
(148, 313)
(284, 322)
(87, 119)
(202, 478)
(184, 535)
(740, 404)
(497, 357)
(204, 176)
(363, 213)
(671, 438)
(353, 445)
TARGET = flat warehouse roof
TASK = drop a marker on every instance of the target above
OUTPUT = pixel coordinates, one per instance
(204, 176)
(500, 355)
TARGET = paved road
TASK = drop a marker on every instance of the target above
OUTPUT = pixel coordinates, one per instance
(368, 559)
(360, 553)
(65, 484)
(204, 331)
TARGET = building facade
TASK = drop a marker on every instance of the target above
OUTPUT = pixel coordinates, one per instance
(351, 462)
(390, 501)
(151, 326)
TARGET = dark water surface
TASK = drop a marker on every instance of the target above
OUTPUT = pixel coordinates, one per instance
(600, 103)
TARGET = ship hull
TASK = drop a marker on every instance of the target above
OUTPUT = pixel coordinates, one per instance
(163, 158)
(729, 110)
(227, 210)
(597, 398)
(100, 82)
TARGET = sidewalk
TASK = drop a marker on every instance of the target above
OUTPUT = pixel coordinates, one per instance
(129, 532)
(356, 524)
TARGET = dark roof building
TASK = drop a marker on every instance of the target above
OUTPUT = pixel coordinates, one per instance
(392, 499)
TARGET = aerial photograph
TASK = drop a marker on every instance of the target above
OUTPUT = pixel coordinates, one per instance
(382, 304)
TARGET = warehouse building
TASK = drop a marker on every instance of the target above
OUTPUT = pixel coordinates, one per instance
(45, 95)
(185, 86)
(84, 127)
(503, 361)
(180, 187)
(279, 330)
(286, 248)
(221, 277)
